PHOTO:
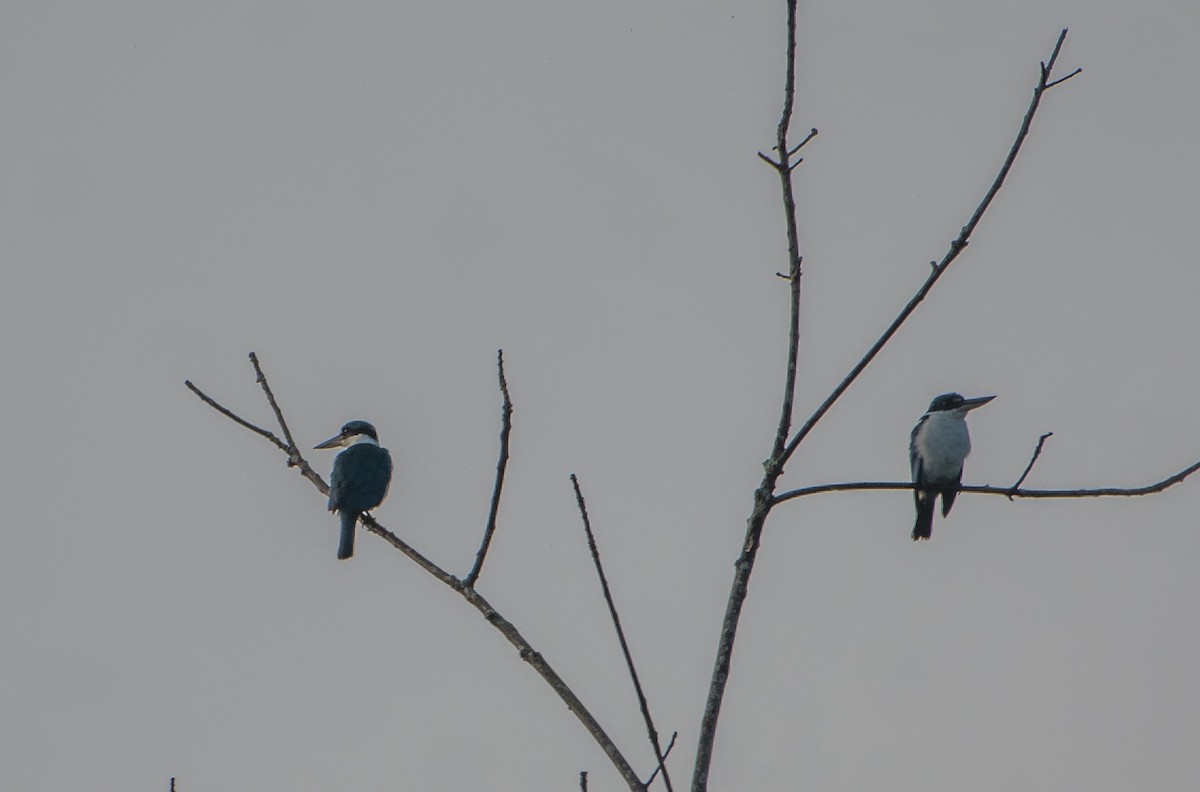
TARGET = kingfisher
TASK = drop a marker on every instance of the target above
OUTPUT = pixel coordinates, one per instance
(940, 444)
(360, 477)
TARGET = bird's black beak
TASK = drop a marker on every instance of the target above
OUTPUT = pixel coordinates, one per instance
(333, 442)
(971, 404)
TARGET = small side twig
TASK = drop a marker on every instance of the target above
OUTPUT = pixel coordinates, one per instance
(1061, 80)
(652, 733)
(237, 419)
(506, 412)
(295, 460)
(666, 753)
(261, 379)
(1037, 452)
(583, 781)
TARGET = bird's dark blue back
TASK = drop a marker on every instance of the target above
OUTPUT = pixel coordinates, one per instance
(360, 478)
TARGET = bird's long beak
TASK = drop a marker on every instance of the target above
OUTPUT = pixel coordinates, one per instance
(333, 442)
(971, 404)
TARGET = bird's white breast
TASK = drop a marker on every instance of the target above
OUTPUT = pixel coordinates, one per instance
(942, 445)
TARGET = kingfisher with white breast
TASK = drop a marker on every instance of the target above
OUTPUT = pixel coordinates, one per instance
(940, 444)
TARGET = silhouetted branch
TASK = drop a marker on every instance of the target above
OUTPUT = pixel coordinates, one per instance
(773, 467)
(490, 614)
(956, 246)
(764, 498)
(583, 781)
(261, 379)
(1037, 452)
(1009, 492)
(1061, 80)
(651, 732)
(812, 133)
(666, 753)
(506, 412)
(294, 457)
(237, 419)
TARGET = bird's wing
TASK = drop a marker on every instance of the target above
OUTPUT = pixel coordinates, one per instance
(914, 459)
(366, 488)
(949, 494)
(335, 487)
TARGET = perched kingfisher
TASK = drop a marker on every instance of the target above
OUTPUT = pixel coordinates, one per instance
(360, 478)
(940, 444)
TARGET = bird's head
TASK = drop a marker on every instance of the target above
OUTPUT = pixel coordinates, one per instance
(954, 401)
(353, 432)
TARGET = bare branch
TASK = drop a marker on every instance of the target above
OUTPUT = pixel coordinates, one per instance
(768, 160)
(764, 499)
(295, 458)
(506, 412)
(237, 419)
(812, 134)
(651, 732)
(1061, 80)
(266, 386)
(773, 466)
(666, 753)
(1008, 492)
(1037, 452)
(490, 614)
(583, 781)
(956, 246)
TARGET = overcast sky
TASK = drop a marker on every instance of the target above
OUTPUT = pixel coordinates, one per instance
(375, 197)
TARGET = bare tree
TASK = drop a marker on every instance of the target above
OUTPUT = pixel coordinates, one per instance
(783, 160)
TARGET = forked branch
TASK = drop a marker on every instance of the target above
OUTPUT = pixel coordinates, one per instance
(957, 245)
(783, 448)
(467, 592)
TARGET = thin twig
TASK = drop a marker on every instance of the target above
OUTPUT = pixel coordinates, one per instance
(1037, 452)
(266, 386)
(651, 732)
(237, 419)
(812, 133)
(294, 457)
(1061, 80)
(490, 614)
(666, 753)
(583, 781)
(506, 412)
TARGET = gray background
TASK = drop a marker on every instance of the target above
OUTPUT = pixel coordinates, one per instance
(376, 196)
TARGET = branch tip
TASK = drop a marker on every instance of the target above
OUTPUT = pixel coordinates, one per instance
(768, 160)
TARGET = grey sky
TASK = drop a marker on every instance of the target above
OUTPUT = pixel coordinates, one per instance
(375, 197)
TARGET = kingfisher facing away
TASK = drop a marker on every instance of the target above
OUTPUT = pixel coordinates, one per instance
(360, 478)
(940, 444)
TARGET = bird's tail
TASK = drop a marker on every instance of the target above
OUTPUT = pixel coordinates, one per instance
(926, 503)
(346, 542)
(948, 497)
